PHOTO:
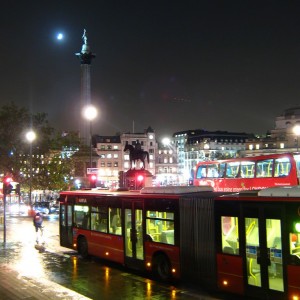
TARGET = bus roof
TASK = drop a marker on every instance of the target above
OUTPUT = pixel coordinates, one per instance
(171, 190)
(176, 189)
(283, 191)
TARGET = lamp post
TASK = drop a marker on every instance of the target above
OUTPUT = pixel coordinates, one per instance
(30, 136)
(90, 113)
(296, 130)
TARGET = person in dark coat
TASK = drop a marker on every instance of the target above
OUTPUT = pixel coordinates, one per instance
(38, 224)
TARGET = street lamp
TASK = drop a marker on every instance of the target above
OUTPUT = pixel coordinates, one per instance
(90, 113)
(296, 130)
(30, 136)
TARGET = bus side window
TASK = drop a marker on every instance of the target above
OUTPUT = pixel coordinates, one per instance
(282, 167)
(81, 216)
(201, 172)
(115, 224)
(160, 227)
(222, 170)
(264, 168)
(230, 235)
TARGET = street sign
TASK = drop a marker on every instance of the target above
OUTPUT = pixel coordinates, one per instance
(92, 171)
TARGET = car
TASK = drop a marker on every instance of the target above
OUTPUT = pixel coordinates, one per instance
(46, 207)
(18, 208)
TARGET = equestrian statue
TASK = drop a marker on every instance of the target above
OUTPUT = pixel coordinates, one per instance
(136, 154)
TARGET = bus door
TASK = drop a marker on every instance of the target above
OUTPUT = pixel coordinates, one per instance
(134, 243)
(65, 221)
(263, 251)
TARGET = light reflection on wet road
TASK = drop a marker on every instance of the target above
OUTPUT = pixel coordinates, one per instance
(92, 278)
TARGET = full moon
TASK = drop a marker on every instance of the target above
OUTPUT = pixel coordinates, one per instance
(60, 36)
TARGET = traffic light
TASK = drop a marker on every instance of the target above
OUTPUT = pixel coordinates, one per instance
(140, 181)
(93, 180)
(18, 189)
(7, 186)
(121, 179)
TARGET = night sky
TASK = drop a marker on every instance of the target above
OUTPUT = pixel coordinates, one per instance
(171, 65)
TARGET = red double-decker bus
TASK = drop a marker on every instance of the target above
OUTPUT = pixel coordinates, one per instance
(249, 173)
(245, 244)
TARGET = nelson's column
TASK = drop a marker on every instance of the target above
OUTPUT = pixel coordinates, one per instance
(85, 57)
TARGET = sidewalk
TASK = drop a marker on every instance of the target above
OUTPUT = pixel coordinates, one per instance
(14, 286)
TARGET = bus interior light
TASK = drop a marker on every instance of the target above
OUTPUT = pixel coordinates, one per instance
(297, 227)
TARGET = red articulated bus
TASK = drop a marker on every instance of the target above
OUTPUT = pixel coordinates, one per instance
(244, 244)
(249, 173)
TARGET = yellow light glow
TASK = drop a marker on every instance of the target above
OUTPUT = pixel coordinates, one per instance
(74, 245)
(295, 297)
(173, 270)
(148, 264)
(297, 227)
(225, 282)
(106, 253)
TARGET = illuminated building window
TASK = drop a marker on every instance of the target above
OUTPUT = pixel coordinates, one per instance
(170, 151)
(165, 160)
(126, 165)
(250, 147)
(151, 156)
(116, 147)
(257, 146)
(116, 155)
(151, 164)
(109, 155)
(171, 160)
(126, 157)
(115, 164)
(281, 145)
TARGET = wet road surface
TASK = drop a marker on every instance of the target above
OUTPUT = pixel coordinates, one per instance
(60, 268)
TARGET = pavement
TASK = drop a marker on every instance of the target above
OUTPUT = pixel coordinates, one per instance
(15, 283)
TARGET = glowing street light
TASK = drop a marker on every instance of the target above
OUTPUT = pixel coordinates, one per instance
(90, 113)
(30, 136)
(166, 141)
(296, 130)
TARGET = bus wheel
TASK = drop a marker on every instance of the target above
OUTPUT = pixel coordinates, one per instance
(162, 267)
(83, 247)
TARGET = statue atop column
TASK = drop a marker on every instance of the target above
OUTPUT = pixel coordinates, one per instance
(84, 37)
(85, 55)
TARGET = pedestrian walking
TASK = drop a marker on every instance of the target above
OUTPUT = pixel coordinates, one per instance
(38, 224)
